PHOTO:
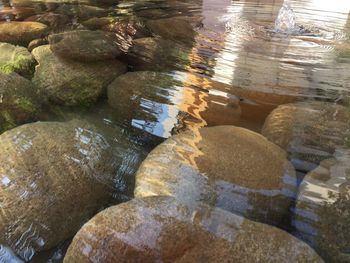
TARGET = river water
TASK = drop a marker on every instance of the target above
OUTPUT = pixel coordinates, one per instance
(209, 63)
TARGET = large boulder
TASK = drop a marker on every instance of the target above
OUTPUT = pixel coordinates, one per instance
(19, 101)
(160, 229)
(165, 103)
(225, 166)
(16, 59)
(85, 45)
(322, 208)
(21, 33)
(309, 131)
(70, 82)
(54, 177)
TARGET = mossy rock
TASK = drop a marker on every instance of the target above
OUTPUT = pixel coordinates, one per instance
(16, 59)
(19, 101)
(72, 83)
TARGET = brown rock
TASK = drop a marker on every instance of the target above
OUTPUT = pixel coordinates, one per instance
(160, 229)
(54, 176)
(225, 166)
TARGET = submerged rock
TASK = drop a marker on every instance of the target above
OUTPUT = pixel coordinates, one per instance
(56, 22)
(225, 166)
(54, 177)
(160, 229)
(181, 29)
(81, 11)
(19, 102)
(21, 33)
(157, 54)
(85, 45)
(165, 103)
(16, 59)
(323, 206)
(73, 83)
(309, 131)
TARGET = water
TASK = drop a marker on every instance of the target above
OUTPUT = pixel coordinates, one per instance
(205, 63)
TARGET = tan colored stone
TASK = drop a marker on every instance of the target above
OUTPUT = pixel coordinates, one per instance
(225, 166)
(309, 131)
(160, 229)
(53, 177)
(21, 33)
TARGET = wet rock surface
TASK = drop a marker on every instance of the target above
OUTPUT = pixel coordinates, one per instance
(142, 98)
(309, 131)
(322, 209)
(44, 167)
(162, 229)
(72, 83)
(85, 45)
(214, 165)
(19, 101)
(21, 33)
(16, 59)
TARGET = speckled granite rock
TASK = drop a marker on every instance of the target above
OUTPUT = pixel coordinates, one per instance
(160, 229)
(224, 166)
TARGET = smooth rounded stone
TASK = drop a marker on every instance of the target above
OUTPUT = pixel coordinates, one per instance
(175, 104)
(322, 208)
(81, 11)
(73, 83)
(21, 33)
(224, 166)
(16, 59)
(85, 45)
(181, 29)
(19, 101)
(56, 22)
(160, 229)
(309, 131)
(15, 13)
(54, 177)
(157, 54)
(37, 43)
(125, 27)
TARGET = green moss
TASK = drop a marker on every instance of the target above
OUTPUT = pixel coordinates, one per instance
(8, 121)
(20, 64)
(25, 104)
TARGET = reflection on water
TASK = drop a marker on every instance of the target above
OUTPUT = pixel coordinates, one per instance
(190, 65)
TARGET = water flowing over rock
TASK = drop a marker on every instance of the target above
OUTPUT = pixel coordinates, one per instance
(21, 33)
(322, 209)
(160, 229)
(73, 83)
(19, 101)
(85, 45)
(16, 59)
(44, 167)
(309, 131)
(285, 22)
(157, 54)
(224, 166)
(165, 103)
